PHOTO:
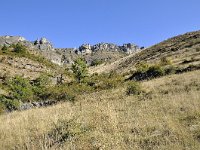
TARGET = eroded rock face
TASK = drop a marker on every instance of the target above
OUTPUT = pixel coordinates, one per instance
(8, 40)
(130, 48)
(105, 46)
(85, 49)
(88, 49)
(43, 44)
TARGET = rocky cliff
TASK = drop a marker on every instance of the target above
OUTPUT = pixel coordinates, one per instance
(126, 48)
(105, 52)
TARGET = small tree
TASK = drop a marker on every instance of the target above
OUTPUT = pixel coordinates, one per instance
(4, 48)
(19, 48)
(40, 86)
(79, 69)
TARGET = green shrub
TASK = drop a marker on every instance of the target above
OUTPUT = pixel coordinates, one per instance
(40, 86)
(134, 88)
(79, 69)
(21, 89)
(62, 93)
(155, 71)
(142, 67)
(11, 104)
(2, 107)
(96, 62)
(4, 49)
(145, 72)
(8, 104)
(105, 81)
(19, 48)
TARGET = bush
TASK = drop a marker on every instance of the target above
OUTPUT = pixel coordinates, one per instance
(4, 49)
(146, 72)
(134, 88)
(19, 48)
(155, 71)
(2, 107)
(9, 104)
(96, 62)
(61, 93)
(105, 81)
(40, 86)
(21, 89)
(165, 61)
(142, 67)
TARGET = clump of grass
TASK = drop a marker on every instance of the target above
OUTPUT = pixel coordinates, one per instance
(165, 61)
(63, 131)
(134, 88)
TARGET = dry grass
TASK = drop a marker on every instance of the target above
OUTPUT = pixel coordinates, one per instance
(166, 117)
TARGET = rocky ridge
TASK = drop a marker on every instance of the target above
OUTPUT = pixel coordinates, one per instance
(68, 55)
(126, 48)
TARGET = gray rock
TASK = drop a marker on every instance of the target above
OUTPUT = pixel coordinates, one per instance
(26, 106)
(129, 48)
(8, 40)
(43, 44)
(85, 49)
(88, 49)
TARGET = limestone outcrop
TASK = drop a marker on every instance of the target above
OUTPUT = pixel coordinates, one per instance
(128, 48)
(8, 40)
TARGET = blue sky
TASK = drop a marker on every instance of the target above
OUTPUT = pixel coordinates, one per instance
(70, 23)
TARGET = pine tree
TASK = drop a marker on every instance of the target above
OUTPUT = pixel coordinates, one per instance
(80, 70)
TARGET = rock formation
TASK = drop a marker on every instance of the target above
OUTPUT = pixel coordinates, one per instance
(43, 44)
(88, 49)
(8, 40)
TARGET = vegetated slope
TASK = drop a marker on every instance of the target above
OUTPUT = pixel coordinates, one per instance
(27, 63)
(100, 56)
(182, 50)
(166, 117)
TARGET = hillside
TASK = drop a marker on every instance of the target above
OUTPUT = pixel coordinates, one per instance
(147, 99)
(182, 50)
(166, 118)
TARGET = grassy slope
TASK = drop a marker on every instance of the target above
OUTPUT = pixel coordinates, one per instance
(167, 118)
(30, 64)
(178, 49)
